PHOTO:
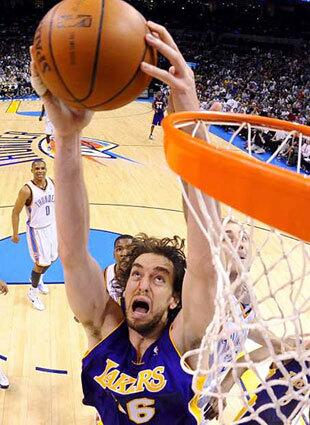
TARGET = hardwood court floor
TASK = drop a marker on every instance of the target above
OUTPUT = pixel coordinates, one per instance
(131, 189)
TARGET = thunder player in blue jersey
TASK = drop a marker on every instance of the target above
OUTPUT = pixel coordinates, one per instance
(131, 373)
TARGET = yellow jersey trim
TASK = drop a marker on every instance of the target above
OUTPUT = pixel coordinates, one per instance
(193, 407)
(193, 403)
(245, 409)
(175, 346)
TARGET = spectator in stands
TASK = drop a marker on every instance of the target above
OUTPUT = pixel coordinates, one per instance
(305, 154)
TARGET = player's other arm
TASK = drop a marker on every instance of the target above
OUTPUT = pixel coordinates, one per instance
(199, 286)
(23, 195)
(83, 277)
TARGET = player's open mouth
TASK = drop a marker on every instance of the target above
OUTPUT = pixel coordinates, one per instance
(140, 307)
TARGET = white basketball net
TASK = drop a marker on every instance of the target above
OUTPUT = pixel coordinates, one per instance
(273, 284)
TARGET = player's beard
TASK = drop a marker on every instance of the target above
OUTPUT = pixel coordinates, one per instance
(147, 328)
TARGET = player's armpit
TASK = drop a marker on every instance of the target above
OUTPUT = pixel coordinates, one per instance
(103, 324)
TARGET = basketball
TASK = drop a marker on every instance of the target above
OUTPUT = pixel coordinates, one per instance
(88, 53)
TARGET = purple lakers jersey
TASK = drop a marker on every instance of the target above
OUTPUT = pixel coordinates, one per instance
(155, 390)
(289, 393)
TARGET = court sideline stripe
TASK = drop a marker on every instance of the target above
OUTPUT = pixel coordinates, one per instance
(58, 371)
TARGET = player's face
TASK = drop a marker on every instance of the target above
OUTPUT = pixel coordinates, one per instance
(121, 249)
(39, 171)
(239, 239)
(149, 293)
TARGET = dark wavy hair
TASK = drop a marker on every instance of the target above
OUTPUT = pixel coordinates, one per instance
(171, 248)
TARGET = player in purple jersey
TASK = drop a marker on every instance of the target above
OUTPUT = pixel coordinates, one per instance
(159, 105)
(290, 405)
(132, 371)
(286, 382)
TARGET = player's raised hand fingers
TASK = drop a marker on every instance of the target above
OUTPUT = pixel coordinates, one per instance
(216, 107)
(163, 34)
(173, 56)
(160, 74)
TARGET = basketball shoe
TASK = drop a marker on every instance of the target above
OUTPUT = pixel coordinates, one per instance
(4, 382)
(33, 295)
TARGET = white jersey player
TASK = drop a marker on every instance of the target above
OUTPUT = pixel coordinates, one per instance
(38, 197)
(233, 335)
(120, 250)
(41, 231)
(229, 346)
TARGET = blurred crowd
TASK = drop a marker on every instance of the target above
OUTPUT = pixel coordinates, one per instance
(281, 145)
(15, 38)
(270, 81)
(14, 69)
(267, 82)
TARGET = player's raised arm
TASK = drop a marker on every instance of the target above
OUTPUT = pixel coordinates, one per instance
(83, 276)
(200, 279)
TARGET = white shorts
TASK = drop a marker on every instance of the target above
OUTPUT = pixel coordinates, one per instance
(49, 129)
(42, 245)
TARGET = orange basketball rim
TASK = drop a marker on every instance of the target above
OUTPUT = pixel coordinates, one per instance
(277, 197)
